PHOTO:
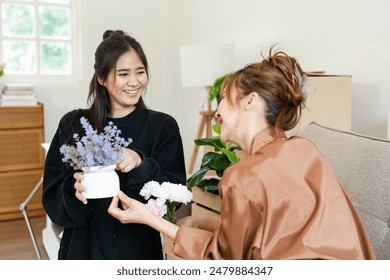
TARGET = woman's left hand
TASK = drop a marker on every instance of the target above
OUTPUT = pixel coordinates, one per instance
(79, 187)
(129, 160)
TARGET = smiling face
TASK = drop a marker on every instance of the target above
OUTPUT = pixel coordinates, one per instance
(229, 116)
(241, 117)
(125, 84)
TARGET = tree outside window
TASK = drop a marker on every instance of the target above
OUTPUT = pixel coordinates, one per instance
(36, 37)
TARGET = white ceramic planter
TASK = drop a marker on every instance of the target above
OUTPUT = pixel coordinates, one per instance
(100, 182)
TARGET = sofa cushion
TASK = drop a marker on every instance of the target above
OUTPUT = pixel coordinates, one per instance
(362, 164)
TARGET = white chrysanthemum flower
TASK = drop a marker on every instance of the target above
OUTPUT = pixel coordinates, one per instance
(152, 188)
(177, 192)
(167, 196)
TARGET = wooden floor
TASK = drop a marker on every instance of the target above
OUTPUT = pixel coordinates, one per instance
(16, 242)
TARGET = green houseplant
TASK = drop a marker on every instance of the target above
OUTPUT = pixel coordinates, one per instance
(215, 89)
(222, 156)
(2, 66)
(218, 160)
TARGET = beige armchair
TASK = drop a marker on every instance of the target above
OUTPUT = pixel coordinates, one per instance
(362, 165)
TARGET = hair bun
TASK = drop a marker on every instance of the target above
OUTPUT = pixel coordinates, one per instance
(108, 33)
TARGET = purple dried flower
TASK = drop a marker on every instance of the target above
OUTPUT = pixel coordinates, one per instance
(95, 149)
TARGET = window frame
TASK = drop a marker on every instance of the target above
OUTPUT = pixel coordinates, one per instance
(75, 45)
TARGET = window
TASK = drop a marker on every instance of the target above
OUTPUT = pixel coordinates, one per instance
(36, 37)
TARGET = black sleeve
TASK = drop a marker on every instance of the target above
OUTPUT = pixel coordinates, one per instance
(58, 196)
(165, 164)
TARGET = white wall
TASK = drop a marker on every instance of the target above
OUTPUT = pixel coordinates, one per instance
(338, 36)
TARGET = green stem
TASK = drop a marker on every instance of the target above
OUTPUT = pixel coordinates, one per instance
(170, 215)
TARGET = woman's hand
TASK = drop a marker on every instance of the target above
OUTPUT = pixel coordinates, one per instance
(137, 212)
(133, 210)
(128, 161)
(79, 187)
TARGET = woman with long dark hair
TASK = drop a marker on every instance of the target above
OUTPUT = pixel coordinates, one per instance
(156, 153)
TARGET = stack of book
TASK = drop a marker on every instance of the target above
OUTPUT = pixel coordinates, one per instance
(18, 95)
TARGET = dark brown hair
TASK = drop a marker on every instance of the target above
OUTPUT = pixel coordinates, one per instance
(277, 79)
(114, 44)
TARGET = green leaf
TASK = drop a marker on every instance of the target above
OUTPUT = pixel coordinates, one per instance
(216, 161)
(238, 148)
(214, 141)
(197, 177)
(210, 185)
(233, 158)
(215, 89)
(217, 128)
(219, 172)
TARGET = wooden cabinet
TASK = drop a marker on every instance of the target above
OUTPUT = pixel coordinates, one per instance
(21, 159)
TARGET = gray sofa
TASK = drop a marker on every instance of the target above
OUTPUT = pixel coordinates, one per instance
(362, 164)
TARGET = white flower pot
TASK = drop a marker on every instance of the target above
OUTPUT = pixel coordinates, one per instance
(100, 182)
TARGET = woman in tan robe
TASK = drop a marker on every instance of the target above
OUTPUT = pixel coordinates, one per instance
(283, 200)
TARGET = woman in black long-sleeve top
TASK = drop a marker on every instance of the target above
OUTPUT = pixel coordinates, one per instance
(156, 153)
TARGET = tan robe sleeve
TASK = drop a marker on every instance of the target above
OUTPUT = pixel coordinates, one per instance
(234, 239)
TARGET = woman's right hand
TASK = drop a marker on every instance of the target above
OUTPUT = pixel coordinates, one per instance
(133, 211)
(79, 187)
(129, 160)
(136, 212)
